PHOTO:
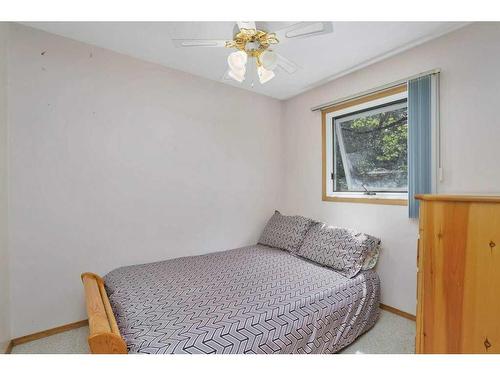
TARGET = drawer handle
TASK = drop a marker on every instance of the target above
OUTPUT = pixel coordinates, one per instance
(492, 245)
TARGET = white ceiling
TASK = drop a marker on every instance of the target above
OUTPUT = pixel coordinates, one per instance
(321, 58)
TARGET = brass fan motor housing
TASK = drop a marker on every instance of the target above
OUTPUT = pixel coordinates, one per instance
(262, 38)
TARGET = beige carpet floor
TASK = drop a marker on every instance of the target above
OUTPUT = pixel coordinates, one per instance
(392, 334)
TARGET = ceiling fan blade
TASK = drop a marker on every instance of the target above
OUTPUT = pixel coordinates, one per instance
(288, 66)
(249, 25)
(304, 30)
(199, 42)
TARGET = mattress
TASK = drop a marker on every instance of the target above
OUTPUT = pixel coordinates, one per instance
(255, 299)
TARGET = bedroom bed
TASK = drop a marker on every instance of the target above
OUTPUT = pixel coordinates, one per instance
(255, 299)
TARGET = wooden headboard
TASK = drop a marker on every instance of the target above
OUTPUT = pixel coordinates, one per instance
(104, 336)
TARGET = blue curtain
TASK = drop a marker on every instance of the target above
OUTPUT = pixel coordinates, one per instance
(419, 140)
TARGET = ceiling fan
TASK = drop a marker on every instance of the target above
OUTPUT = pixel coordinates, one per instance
(252, 41)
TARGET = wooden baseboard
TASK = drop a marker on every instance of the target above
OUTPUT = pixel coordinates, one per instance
(82, 323)
(398, 312)
(48, 332)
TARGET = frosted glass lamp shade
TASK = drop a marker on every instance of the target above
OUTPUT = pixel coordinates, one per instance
(264, 74)
(237, 60)
(269, 60)
(237, 75)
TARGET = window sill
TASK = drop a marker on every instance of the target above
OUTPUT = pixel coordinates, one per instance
(388, 199)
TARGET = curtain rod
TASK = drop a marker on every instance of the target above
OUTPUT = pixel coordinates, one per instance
(379, 88)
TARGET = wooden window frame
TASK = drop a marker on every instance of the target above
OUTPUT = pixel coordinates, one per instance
(343, 105)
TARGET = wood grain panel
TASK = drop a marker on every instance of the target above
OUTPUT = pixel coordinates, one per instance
(458, 308)
(481, 317)
(453, 243)
(443, 276)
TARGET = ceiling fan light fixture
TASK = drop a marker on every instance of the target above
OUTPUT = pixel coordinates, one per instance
(265, 75)
(237, 61)
(269, 60)
(237, 75)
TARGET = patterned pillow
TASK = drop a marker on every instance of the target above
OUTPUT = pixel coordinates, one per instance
(285, 232)
(344, 250)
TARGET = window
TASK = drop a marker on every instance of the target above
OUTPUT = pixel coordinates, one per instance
(365, 148)
(370, 150)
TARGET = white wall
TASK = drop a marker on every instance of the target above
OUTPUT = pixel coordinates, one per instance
(116, 161)
(4, 259)
(470, 85)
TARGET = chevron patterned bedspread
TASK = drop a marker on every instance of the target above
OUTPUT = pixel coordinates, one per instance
(254, 299)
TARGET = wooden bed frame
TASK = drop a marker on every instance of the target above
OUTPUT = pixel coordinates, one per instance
(104, 336)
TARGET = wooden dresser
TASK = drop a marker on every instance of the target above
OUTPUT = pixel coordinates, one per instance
(458, 294)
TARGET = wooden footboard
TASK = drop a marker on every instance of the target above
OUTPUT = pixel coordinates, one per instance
(104, 336)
